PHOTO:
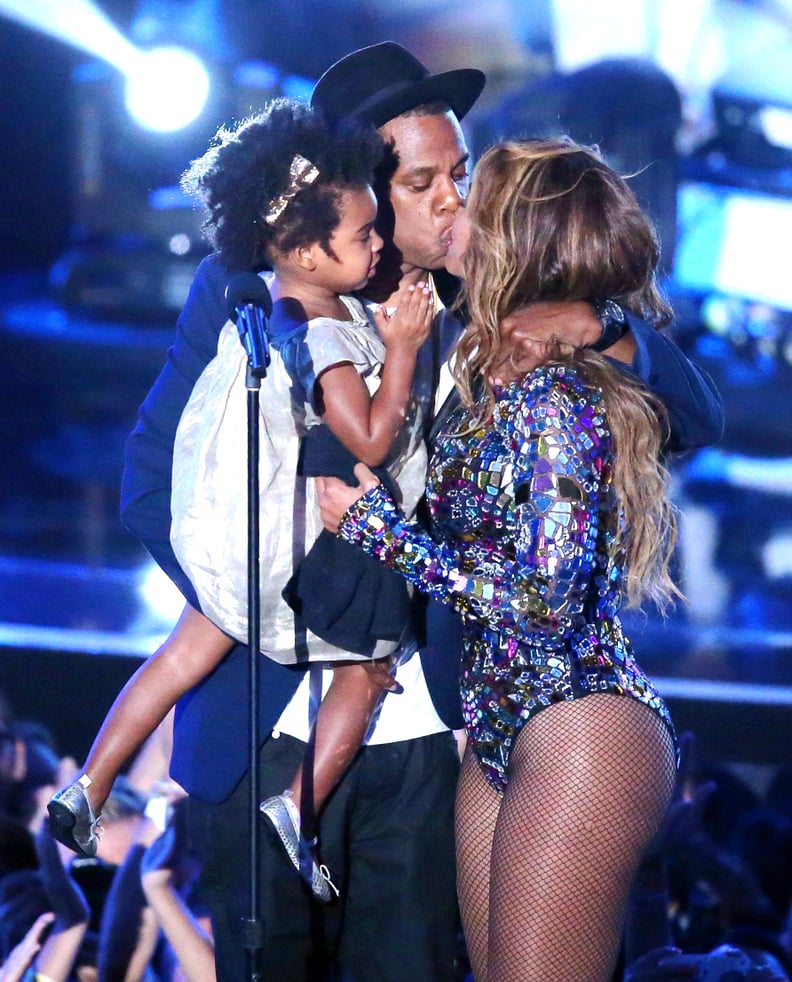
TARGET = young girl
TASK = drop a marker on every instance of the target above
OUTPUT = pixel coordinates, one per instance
(549, 509)
(284, 192)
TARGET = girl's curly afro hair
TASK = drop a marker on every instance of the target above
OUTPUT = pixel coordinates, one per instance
(245, 168)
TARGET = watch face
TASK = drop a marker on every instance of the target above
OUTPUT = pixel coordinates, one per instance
(611, 311)
(614, 323)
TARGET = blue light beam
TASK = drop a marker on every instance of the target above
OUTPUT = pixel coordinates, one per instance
(79, 23)
(167, 88)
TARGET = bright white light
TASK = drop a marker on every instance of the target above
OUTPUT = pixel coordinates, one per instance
(179, 244)
(79, 23)
(167, 90)
(161, 598)
(777, 125)
(777, 555)
(166, 87)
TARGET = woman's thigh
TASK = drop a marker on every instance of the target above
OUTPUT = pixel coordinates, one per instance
(477, 809)
(589, 783)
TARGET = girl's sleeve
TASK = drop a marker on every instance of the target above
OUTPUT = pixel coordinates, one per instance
(324, 344)
(533, 577)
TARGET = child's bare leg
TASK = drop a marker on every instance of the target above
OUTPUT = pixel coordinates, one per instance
(191, 651)
(341, 724)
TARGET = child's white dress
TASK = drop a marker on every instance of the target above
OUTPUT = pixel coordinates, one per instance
(209, 530)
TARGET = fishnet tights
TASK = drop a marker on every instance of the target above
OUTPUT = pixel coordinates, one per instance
(545, 872)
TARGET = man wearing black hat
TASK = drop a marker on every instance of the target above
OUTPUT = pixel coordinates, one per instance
(387, 831)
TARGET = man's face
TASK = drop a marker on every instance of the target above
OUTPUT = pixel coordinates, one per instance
(429, 184)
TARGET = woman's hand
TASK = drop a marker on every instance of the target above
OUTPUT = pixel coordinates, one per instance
(335, 497)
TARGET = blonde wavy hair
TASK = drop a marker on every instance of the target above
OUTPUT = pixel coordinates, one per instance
(551, 221)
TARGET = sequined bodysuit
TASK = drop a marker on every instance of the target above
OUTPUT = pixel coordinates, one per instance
(522, 514)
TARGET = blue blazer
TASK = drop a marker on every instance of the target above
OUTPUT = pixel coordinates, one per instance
(210, 752)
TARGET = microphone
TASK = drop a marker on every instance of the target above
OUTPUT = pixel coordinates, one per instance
(249, 305)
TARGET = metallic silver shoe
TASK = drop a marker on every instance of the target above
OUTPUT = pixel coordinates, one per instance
(283, 814)
(71, 818)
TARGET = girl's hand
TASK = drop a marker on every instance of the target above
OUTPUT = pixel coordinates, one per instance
(409, 325)
(335, 497)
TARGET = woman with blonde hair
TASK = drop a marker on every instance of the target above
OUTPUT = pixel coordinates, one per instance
(549, 509)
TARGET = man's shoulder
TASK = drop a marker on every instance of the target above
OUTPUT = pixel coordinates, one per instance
(212, 277)
(211, 270)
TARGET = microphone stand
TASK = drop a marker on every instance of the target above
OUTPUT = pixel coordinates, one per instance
(250, 315)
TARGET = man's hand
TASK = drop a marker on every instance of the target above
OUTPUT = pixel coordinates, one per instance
(527, 331)
(335, 497)
(572, 321)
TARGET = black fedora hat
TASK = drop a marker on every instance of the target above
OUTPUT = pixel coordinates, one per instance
(380, 82)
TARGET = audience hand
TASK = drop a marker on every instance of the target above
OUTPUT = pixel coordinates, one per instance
(167, 859)
(18, 961)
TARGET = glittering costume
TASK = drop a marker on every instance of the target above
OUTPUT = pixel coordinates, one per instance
(559, 795)
(523, 512)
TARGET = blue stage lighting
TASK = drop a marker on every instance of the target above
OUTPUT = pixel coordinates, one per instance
(79, 23)
(166, 87)
(776, 124)
(167, 90)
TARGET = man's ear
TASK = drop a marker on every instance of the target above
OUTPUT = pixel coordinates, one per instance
(305, 257)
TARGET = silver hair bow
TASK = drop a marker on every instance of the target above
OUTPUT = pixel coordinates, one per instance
(302, 174)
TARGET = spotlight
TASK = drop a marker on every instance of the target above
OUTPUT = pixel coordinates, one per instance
(753, 131)
(166, 87)
(776, 124)
(135, 238)
(167, 90)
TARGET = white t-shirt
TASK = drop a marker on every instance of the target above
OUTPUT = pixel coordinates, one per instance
(410, 714)
(405, 716)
